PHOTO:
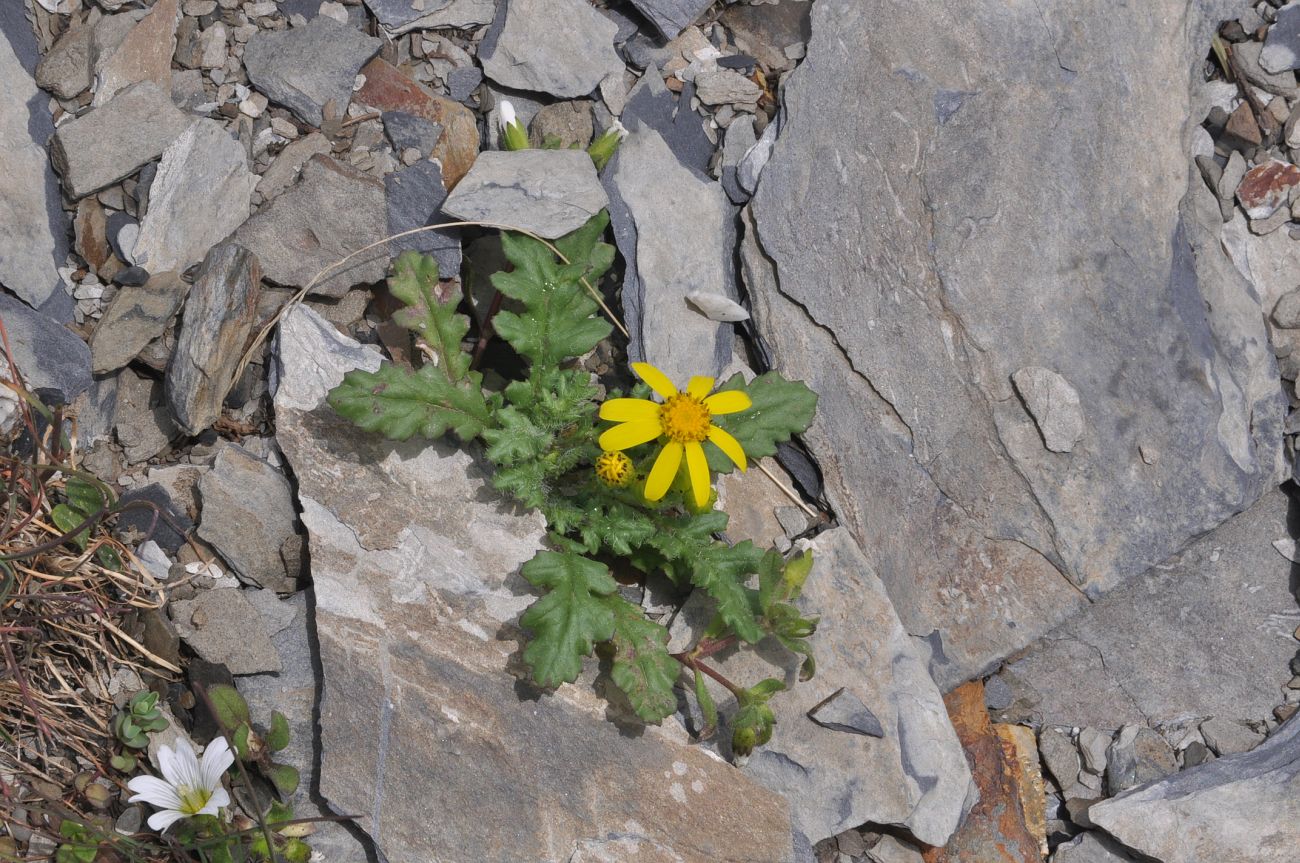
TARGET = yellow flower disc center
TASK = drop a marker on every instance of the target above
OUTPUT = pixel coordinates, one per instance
(193, 799)
(685, 419)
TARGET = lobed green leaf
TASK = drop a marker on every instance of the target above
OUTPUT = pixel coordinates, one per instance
(415, 283)
(399, 403)
(643, 668)
(570, 618)
(780, 410)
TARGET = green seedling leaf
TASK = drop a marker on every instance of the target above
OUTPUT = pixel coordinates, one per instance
(230, 706)
(110, 559)
(278, 812)
(284, 778)
(760, 692)
(278, 736)
(242, 739)
(66, 519)
(415, 283)
(80, 847)
(124, 763)
(557, 322)
(568, 620)
(603, 148)
(399, 403)
(643, 668)
(296, 851)
(143, 703)
(707, 707)
(780, 410)
(796, 573)
(85, 497)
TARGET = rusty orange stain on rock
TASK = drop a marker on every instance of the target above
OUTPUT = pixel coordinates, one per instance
(995, 830)
(1267, 187)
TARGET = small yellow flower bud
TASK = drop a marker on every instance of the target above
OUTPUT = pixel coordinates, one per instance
(615, 469)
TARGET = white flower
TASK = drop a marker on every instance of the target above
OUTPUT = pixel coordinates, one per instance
(189, 787)
(506, 111)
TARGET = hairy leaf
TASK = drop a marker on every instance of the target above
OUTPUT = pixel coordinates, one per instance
(707, 707)
(399, 403)
(570, 618)
(557, 321)
(230, 706)
(415, 283)
(780, 409)
(720, 571)
(643, 668)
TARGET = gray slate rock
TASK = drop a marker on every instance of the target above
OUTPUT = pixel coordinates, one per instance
(671, 17)
(548, 192)
(561, 47)
(676, 233)
(31, 217)
(415, 568)
(65, 69)
(1059, 756)
(303, 68)
(415, 197)
(333, 211)
(1222, 612)
(984, 540)
(49, 356)
(135, 317)
(651, 103)
(1053, 404)
(248, 516)
(1091, 848)
(891, 850)
(409, 131)
(1242, 807)
(1093, 746)
(1137, 755)
(398, 13)
(738, 141)
(461, 83)
(214, 329)
(459, 14)
(142, 422)
(288, 165)
(1281, 51)
(844, 711)
(222, 626)
(112, 141)
(1227, 737)
(200, 194)
(915, 775)
(135, 523)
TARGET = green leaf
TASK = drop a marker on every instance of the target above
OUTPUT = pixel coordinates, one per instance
(124, 763)
(760, 692)
(720, 571)
(557, 322)
(86, 498)
(284, 778)
(570, 618)
(808, 667)
(278, 813)
(110, 559)
(643, 668)
(796, 573)
(516, 439)
(241, 740)
(602, 149)
(771, 572)
(66, 519)
(415, 283)
(296, 851)
(399, 403)
(230, 707)
(780, 410)
(278, 736)
(751, 726)
(707, 707)
(583, 246)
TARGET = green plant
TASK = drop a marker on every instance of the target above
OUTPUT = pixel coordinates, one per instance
(254, 748)
(616, 495)
(133, 724)
(80, 845)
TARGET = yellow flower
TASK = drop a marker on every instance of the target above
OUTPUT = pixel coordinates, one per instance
(685, 419)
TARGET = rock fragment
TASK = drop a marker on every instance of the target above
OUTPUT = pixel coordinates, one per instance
(65, 69)
(222, 626)
(47, 353)
(1266, 188)
(1281, 51)
(214, 330)
(1227, 737)
(333, 211)
(135, 317)
(142, 422)
(288, 164)
(112, 141)
(304, 68)
(415, 196)
(200, 194)
(548, 192)
(561, 47)
(144, 53)
(671, 17)
(1053, 404)
(248, 515)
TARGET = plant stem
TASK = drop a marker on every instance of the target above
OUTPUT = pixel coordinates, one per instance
(709, 646)
(694, 664)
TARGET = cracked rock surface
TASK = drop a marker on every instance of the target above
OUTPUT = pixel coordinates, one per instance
(950, 265)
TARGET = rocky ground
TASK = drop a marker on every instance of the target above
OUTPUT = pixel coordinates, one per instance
(1040, 264)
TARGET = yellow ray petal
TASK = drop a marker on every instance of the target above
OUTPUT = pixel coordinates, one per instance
(727, 402)
(698, 468)
(628, 435)
(657, 380)
(629, 410)
(700, 387)
(729, 445)
(664, 472)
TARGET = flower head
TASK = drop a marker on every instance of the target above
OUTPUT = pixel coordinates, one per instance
(188, 787)
(684, 419)
(615, 469)
(513, 134)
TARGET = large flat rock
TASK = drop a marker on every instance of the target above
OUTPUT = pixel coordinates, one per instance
(415, 567)
(966, 220)
(1205, 633)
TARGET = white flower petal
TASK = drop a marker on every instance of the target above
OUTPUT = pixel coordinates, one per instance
(160, 821)
(168, 763)
(187, 766)
(507, 113)
(217, 758)
(155, 792)
(218, 799)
